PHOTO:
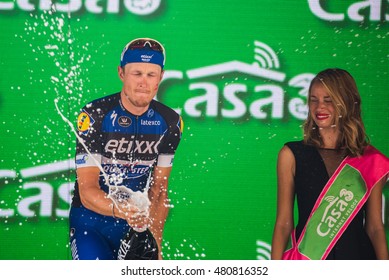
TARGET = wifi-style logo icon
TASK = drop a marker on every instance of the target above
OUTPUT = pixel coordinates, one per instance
(263, 250)
(265, 56)
(329, 198)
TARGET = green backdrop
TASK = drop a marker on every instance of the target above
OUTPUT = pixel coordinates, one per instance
(237, 71)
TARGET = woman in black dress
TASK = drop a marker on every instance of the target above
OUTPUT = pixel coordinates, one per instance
(333, 131)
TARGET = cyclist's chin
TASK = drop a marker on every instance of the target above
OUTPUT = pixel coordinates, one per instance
(142, 102)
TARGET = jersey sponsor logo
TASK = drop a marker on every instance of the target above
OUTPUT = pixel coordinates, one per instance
(124, 121)
(74, 250)
(150, 113)
(113, 117)
(150, 123)
(126, 171)
(124, 146)
(84, 122)
(81, 159)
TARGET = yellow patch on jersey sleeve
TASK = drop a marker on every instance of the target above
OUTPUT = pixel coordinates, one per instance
(83, 122)
(181, 125)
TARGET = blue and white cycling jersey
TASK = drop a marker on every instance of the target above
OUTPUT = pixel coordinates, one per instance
(126, 148)
(124, 145)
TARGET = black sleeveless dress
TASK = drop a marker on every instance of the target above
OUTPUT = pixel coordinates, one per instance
(313, 169)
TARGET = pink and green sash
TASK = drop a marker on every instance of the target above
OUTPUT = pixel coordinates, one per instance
(341, 199)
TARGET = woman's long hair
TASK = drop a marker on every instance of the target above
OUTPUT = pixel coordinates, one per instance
(344, 94)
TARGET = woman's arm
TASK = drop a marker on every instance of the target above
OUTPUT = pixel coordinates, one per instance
(285, 201)
(374, 225)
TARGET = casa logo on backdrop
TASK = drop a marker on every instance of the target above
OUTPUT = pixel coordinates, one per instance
(138, 7)
(256, 90)
(354, 12)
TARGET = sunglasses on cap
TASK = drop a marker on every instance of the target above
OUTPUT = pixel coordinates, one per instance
(143, 43)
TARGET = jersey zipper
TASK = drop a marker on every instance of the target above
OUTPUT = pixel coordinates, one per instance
(135, 138)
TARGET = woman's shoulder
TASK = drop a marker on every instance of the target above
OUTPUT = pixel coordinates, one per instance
(294, 143)
(299, 148)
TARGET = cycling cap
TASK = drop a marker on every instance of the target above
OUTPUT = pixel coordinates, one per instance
(143, 50)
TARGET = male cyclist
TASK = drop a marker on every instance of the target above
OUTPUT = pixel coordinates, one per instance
(128, 139)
